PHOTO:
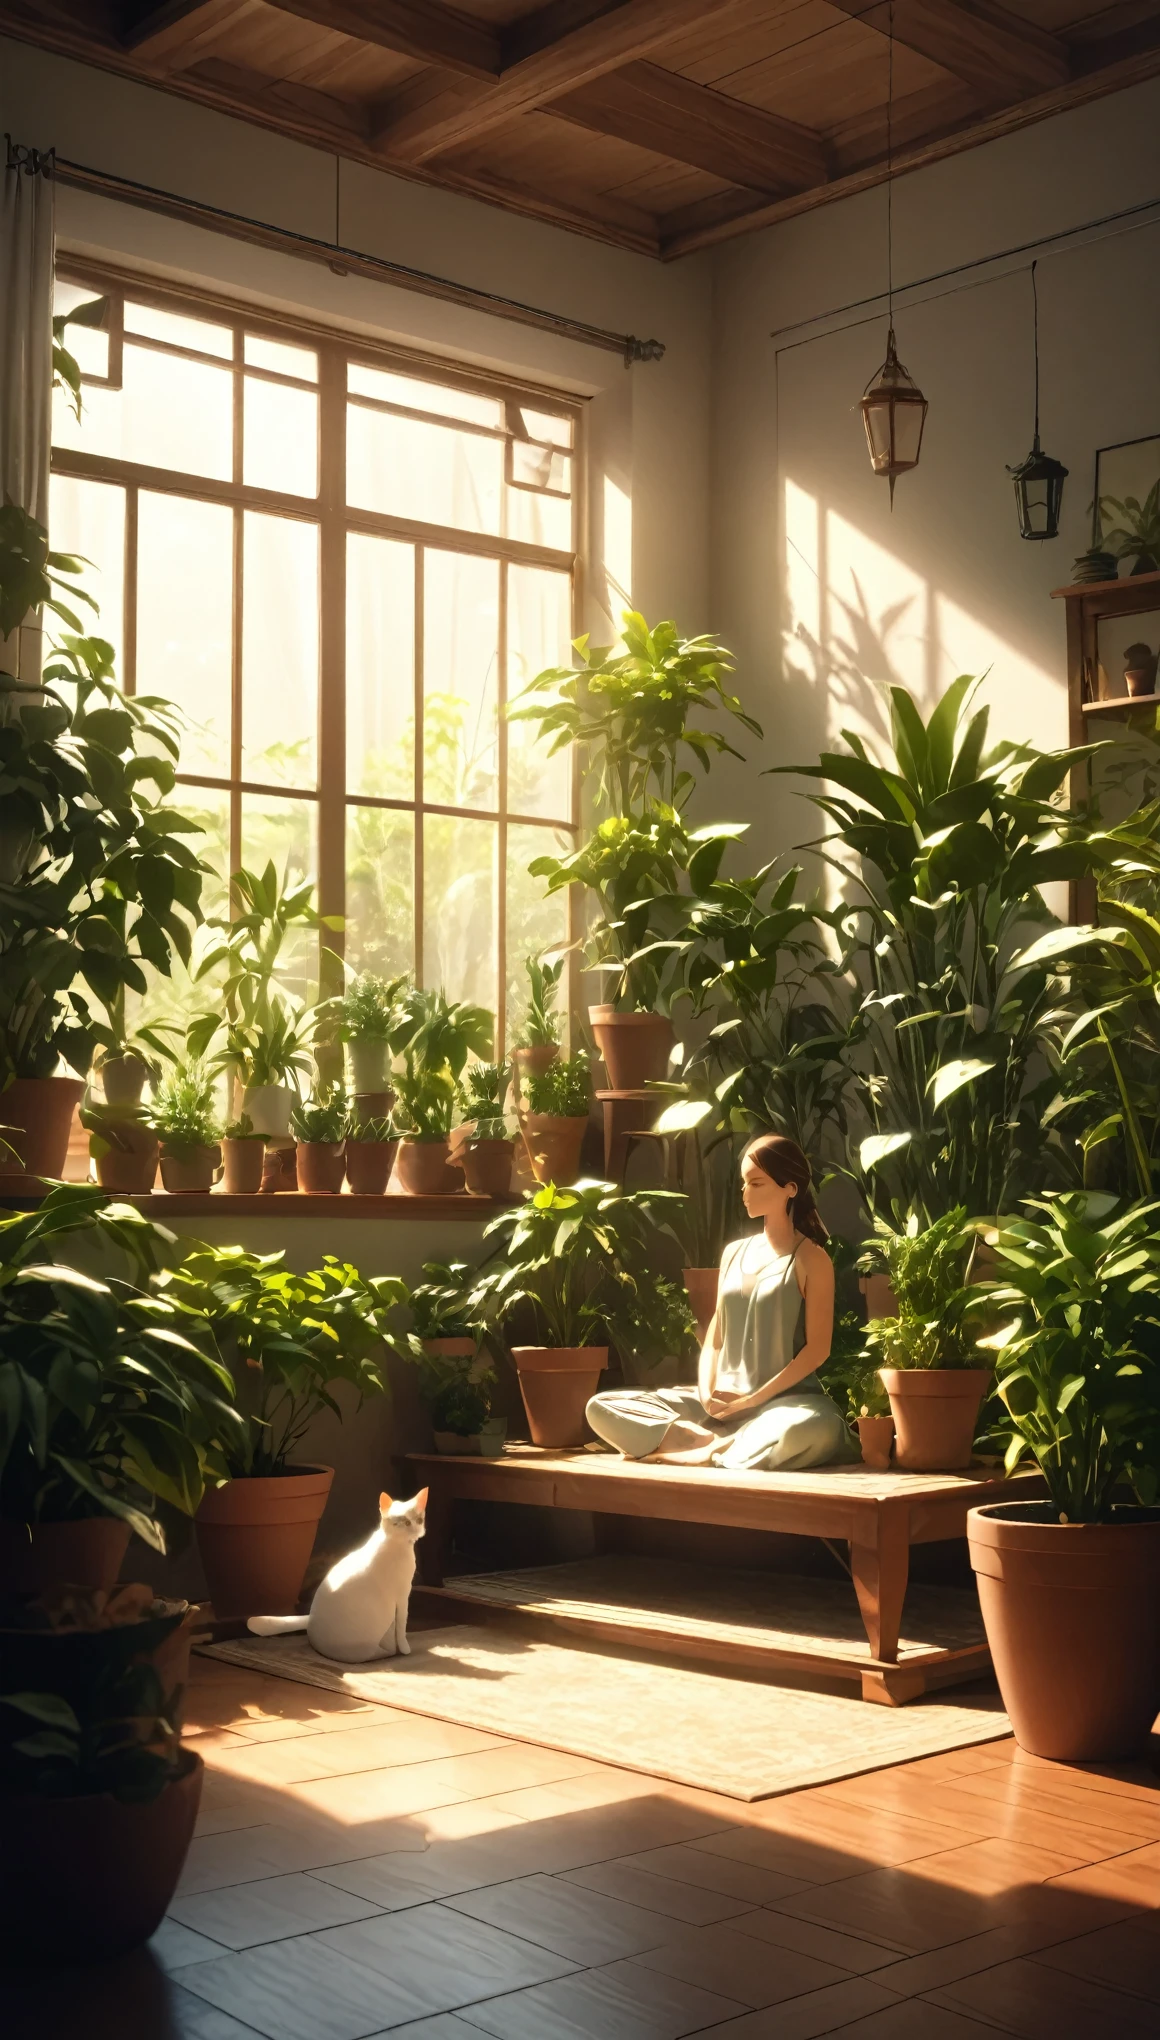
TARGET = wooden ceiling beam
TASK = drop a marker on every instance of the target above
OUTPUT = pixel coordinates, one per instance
(160, 33)
(689, 123)
(424, 29)
(434, 114)
(975, 40)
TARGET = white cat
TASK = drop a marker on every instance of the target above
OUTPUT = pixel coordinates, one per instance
(359, 1611)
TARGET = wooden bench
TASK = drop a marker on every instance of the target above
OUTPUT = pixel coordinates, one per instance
(878, 1515)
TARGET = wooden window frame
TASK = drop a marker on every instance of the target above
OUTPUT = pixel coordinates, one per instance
(334, 519)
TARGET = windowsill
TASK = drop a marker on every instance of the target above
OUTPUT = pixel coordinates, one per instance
(461, 1208)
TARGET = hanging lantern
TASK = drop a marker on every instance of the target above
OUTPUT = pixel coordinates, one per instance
(1039, 484)
(894, 413)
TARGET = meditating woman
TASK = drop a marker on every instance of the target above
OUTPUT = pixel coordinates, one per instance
(758, 1405)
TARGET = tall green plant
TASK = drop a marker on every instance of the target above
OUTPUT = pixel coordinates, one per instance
(435, 1036)
(268, 1030)
(572, 1256)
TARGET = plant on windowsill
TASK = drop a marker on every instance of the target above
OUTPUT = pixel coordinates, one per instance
(297, 1346)
(368, 1020)
(319, 1128)
(537, 1041)
(113, 1418)
(569, 1257)
(927, 1356)
(184, 1116)
(371, 1146)
(554, 1119)
(243, 1153)
(436, 1036)
(1070, 1586)
(485, 1156)
(98, 1798)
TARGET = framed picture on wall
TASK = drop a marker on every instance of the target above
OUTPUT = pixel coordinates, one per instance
(1127, 501)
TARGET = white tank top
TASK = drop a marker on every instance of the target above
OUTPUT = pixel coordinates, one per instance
(760, 1314)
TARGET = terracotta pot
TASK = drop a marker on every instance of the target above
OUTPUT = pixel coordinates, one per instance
(321, 1167)
(1141, 680)
(373, 1104)
(532, 1062)
(279, 1166)
(935, 1410)
(370, 1066)
(194, 1169)
(876, 1436)
(368, 1166)
(701, 1284)
(635, 1046)
(1072, 1612)
(86, 1553)
(243, 1163)
(131, 1168)
(421, 1169)
(123, 1079)
(553, 1145)
(267, 1107)
(255, 1536)
(35, 1117)
(557, 1384)
(92, 1876)
(487, 1167)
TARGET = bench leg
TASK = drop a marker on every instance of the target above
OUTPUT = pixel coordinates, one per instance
(435, 1543)
(879, 1572)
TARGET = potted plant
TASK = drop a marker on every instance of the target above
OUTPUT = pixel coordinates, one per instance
(268, 1033)
(631, 706)
(435, 1037)
(927, 1358)
(1136, 533)
(123, 1146)
(537, 1042)
(243, 1153)
(112, 1415)
(371, 1145)
(92, 860)
(184, 1116)
(97, 1797)
(456, 1377)
(569, 1256)
(1070, 1586)
(368, 1019)
(555, 1118)
(290, 1341)
(444, 1320)
(319, 1128)
(486, 1155)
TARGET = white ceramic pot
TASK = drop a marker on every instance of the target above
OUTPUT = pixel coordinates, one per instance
(370, 1065)
(267, 1106)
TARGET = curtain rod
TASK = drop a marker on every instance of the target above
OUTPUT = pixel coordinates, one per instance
(343, 261)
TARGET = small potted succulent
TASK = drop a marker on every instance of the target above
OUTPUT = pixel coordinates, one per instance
(368, 1019)
(927, 1357)
(184, 1116)
(370, 1154)
(486, 1155)
(554, 1118)
(537, 1044)
(98, 1799)
(243, 1154)
(319, 1128)
(436, 1036)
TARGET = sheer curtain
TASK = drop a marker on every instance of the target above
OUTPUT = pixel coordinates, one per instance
(26, 265)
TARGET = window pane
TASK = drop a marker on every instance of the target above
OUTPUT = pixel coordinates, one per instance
(534, 922)
(416, 395)
(460, 660)
(177, 998)
(88, 346)
(279, 650)
(171, 413)
(281, 438)
(538, 520)
(180, 331)
(402, 467)
(89, 518)
(380, 890)
(380, 667)
(185, 619)
(539, 629)
(459, 910)
(281, 358)
(541, 467)
(545, 425)
(285, 831)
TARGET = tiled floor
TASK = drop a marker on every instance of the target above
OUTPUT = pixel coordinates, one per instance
(360, 1872)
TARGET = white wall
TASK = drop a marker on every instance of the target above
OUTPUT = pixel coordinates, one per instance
(819, 589)
(649, 425)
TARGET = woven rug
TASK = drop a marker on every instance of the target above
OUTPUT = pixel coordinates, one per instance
(745, 1738)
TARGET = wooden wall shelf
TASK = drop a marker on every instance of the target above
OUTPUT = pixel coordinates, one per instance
(296, 1204)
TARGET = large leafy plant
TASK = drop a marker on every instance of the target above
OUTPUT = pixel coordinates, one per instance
(572, 1256)
(105, 1409)
(1078, 1357)
(268, 1030)
(928, 1268)
(289, 1339)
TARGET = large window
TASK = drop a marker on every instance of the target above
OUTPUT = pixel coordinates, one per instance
(341, 563)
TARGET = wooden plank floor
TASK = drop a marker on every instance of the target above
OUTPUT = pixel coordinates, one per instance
(360, 1871)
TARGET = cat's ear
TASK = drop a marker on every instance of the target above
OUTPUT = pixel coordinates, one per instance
(420, 1501)
(385, 1503)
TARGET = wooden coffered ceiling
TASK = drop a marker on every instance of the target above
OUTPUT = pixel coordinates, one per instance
(658, 125)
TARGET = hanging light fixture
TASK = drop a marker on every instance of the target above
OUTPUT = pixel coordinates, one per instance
(1038, 480)
(893, 407)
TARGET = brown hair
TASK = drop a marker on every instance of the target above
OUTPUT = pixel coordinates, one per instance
(782, 1160)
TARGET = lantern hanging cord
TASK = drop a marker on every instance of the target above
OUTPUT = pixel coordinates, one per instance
(890, 169)
(1035, 331)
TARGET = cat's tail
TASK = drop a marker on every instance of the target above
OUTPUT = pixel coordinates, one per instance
(276, 1625)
